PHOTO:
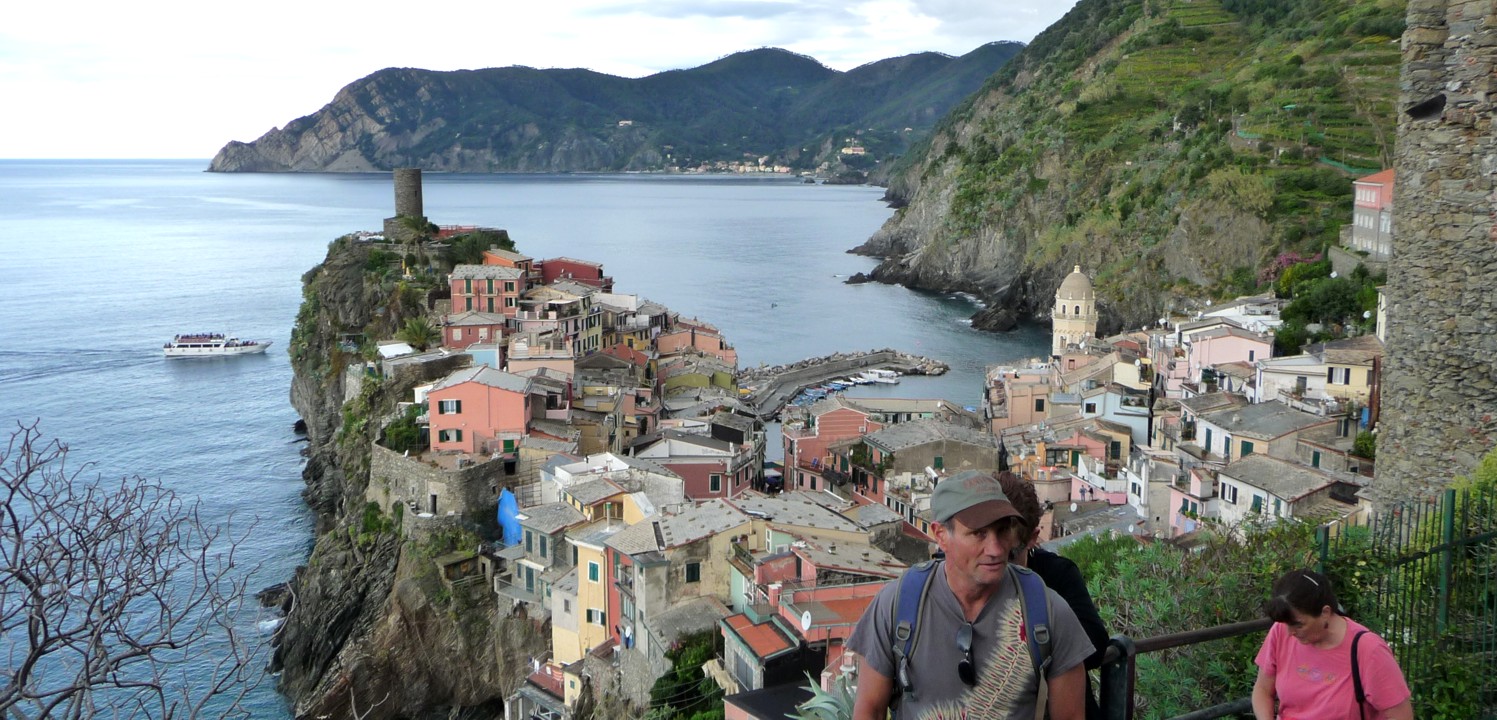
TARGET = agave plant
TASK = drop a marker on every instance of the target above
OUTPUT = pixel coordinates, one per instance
(835, 704)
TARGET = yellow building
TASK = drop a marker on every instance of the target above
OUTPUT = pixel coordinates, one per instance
(1075, 315)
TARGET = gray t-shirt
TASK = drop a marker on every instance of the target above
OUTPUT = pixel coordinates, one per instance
(1006, 685)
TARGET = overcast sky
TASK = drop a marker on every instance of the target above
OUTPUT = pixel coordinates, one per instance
(179, 79)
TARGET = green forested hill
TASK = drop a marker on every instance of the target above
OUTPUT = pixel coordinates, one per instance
(761, 103)
(1172, 148)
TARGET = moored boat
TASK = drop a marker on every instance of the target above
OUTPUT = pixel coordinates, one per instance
(211, 345)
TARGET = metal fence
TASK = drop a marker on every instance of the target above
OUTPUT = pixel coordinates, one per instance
(1423, 575)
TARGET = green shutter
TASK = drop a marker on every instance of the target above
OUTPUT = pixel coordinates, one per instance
(1247, 448)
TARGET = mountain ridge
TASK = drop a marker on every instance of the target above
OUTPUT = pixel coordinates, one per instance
(764, 103)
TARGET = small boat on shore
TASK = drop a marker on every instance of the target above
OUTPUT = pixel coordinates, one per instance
(880, 375)
(211, 345)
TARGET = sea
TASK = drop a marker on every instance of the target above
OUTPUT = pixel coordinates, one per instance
(101, 262)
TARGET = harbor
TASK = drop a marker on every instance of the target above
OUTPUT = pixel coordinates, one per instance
(770, 389)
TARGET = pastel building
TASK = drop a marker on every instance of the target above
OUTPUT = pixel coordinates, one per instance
(486, 288)
(479, 410)
(1074, 317)
(1372, 215)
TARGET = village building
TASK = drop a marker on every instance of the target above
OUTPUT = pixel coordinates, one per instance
(493, 289)
(1074, 317)
(480, 410)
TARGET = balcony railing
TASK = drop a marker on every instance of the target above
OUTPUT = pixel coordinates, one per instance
(1120, 669)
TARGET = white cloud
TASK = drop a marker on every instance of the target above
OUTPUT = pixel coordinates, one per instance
(171, 78)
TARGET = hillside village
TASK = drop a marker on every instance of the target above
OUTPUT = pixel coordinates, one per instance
(636, 507)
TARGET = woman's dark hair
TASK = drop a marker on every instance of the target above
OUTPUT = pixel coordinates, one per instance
(1024, 499)
(1304, 590)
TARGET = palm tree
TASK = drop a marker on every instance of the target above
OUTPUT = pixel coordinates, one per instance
(419, 333)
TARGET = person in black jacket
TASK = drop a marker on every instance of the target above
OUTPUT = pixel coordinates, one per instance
(1060, 574)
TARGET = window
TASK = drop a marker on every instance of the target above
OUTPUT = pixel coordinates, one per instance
(1091, 407)
(592, 571)
(595, 616)
(566, 605)
(489, 286)
(509, 302)
(509, 286)
(457, 334)
(1229, 493)
(468, 287)
(1078, 310)
(1136, 490)
(1247, 448)
(1039, 404)
(545, 546)
(450, 436)
(940, 462)
(529, 541)
(715, 482)
(693, 572)
(1278, 508)
(1208, 439)
(467, 303)
(489, 304)
(449, 407)
(1257, 503)
(1315, 458)
(1252, 354)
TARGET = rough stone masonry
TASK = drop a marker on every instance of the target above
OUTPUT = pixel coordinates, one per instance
(1440, 378)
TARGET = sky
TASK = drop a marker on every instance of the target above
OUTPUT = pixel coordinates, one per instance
(179, 79)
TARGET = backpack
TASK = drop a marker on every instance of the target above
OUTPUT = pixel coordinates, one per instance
(909, 606)
(1356, 676)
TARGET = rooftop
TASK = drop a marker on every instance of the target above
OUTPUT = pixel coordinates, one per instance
(550, 517)
(921, 432)
(1266, 420)
(484, 375)
(852, 557)
(765, 639)
(485, 272)
(474, 317)
(705, 520)
(797, 512)
(687, 617)
(593, 491)
(1282, 478)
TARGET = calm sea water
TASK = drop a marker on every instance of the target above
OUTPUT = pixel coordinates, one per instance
(103, 261)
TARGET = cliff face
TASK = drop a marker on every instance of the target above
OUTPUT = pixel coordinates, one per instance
(1170, 150)
(371, 625)
(763, 103)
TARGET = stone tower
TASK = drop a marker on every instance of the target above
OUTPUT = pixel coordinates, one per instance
(1440, 373)
(407, 205)
(408, 192)
(1075, 314)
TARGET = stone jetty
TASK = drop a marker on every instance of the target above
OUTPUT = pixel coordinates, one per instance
(772, 386)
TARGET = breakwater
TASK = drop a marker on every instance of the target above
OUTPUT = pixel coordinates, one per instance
(772, 386)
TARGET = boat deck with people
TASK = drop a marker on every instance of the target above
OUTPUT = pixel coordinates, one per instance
(211, 345)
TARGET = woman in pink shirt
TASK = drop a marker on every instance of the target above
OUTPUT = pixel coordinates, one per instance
(1306, 661)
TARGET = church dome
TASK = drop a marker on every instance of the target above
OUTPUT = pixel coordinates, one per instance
(1077, 286)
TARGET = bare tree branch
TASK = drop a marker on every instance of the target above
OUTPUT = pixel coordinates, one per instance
(116, 597)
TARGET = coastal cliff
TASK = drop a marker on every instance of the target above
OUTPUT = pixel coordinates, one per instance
(1172, 150)
(371, 628)
(775, 107)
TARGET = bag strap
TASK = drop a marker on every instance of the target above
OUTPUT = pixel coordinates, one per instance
(1036, 606)
(1356, 676)
(909, 605)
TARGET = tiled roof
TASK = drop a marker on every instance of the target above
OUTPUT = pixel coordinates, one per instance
(920, 432)
(1266, 420)
(798, 512)
(593, 491)
(766, 639)
(1282, 478)
(474, 317)
(705, 520)
(637, 538)
(550, 517)
(484, 375)
(485, 272)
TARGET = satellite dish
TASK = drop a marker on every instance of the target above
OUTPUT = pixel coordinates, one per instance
(805, 621)
(1366, 314)
(1073, 507)
(1334, 274)
(1130, 529)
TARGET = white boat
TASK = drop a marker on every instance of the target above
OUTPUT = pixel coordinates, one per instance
(212, 345)
(879, 375)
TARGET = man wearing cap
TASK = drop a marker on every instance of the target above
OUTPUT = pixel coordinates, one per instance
(971, 657)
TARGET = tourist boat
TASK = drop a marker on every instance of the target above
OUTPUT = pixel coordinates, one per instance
(211, 345)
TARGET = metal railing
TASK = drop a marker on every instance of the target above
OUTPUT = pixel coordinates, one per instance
(1120, 668)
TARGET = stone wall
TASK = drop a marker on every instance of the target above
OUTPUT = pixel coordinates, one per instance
(408, 193)
(469, 493)
(1440, 380)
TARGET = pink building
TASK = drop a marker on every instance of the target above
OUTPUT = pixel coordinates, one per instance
(1372, 215)
(583, 271)
(486, 288)
(1226, 344)
(479, 410)
(467, 328)
(690, 335)
(1192, 501)
(807, 447)
(710, 468)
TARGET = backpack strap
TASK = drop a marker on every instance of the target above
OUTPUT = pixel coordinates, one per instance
(909, 605)
(1035, 603)
(1356, 676)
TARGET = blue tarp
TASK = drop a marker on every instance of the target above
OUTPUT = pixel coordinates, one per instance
(508, 522)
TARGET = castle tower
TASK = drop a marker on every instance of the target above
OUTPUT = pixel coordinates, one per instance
(1075, 315)
(1439, 412)
(408, 192)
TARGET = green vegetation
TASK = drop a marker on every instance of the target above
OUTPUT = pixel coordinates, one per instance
(1324, 307)
(419, 333)
(404, 435)
(468, 248)
(1365, 445)
(685, 693)
(1234, 126)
